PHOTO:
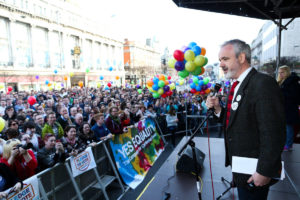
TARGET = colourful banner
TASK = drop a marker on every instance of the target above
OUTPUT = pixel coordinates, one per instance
(136, 151)
(83, 162)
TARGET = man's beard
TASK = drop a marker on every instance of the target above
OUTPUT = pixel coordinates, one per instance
(230, 74)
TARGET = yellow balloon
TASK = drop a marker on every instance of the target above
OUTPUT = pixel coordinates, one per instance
(71, 74)
(1, 87)
(172, 86)
(51, 88)
(171, 62)
(2, 124)
(151, 90)
(98, 85)
(189, 55)
(190, 66)
(54, 83)
(199, 60)
(160, 91)
(181, 82)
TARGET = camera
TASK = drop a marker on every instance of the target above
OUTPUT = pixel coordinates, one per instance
(25, 146)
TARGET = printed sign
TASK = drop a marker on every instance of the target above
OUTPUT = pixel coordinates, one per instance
(83, 162)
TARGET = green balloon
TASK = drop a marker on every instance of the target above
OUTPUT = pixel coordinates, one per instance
(197, 71)
(87, 70)
(161, 83)
(205, 61)
(183, 74)
(155, 95)
(195, 80)
(140, 91)
(205, 80)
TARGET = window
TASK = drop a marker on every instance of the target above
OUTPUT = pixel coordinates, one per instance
(87, 53)
(5, 53)
(56, 49)
(97, 55)
(41, 47)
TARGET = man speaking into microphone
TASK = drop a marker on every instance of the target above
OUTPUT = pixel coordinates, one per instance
(253, 120)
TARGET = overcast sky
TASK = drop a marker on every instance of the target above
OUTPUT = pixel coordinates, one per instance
(172, 26)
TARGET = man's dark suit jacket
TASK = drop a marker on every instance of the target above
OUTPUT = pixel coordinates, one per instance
(256, 129)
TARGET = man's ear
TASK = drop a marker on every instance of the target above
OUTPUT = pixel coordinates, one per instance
(242, 58)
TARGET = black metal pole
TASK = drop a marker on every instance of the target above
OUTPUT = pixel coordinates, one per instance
(192, 144)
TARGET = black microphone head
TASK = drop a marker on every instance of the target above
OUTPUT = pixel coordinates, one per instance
(217, 87)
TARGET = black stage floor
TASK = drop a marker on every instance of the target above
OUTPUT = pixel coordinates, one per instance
(182, 186)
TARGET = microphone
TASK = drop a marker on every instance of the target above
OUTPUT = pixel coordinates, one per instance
(213, 93)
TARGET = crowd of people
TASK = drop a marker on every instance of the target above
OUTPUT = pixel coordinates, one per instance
(64, 123)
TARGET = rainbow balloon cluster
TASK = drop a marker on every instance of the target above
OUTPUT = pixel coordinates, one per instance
(189, 60)
(161, 86)
(200, 85)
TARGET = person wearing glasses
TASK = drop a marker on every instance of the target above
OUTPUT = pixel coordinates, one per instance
(10, 113)
(52, 127)
(21, 161)
(113, 122)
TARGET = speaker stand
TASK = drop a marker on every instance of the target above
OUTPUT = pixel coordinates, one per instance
(231, 185)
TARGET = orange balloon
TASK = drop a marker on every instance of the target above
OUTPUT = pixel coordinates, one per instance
(117, 77)
(203, 51)
(80, 83)
(49, 84)
(65, 78)
(166, 82)
(202, 70)
(207, 91)
(161, 77)
(150, 83)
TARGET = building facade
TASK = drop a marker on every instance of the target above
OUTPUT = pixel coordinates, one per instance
(141, 62)
(264, 46)
(51, 41)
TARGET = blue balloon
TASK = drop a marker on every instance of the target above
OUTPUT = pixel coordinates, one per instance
(200, 78)
(196, 50)
(46, 82)
(106, 88)
(192, 44)
(179, 65)
(110, 68)
(198, 88)
(155, 80)
(55, 71)
(155, 87)
(201, 82)
(193, 85)
(101, 77)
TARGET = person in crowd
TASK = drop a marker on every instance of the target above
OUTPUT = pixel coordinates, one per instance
(52, 126)
(39, 121)
(40, 110)
(21, 161)
(150, 112)
(10, 113)
(8, 180)
(100, 130)
(2, 107)
(73, 146)
(136, 114)
(11, 133)
(86, 135)
(35, 139)
(113, 122)
(64, 119)
(13, 123)
(73, 112)
(125, 119)
(253, 120)
(21, 120)
(19, 105)
(78, 121)
(52, 153)
(172, 123)
(290, 86)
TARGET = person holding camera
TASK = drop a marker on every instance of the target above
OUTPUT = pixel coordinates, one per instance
(8, 180)
(19, 159)
(52, 153)
(71, 143)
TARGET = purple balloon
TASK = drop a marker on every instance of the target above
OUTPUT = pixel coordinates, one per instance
(191, 80)
(227, 83)
(166, 88)
(208, 85)
(179, 65)
(138, 86)
(170, 82)
(204, 87)
(187, 48)
(37, 77)
(183, 48)
(200, 78)
(62, 85)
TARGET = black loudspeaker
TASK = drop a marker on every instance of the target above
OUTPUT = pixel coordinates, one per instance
(185, 162)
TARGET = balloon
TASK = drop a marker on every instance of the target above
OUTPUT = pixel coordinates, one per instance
(198, 88)
(9, 88)
(200, 77)
(155, 87)
(117, 77)
(160, 91)
(190, 66)
(201, 82)
(189, 55)
(183, 74)
(193, 91)
(155, 95)
(110, 68)
(197, 71)
(37, 77)
(46, 82)
(199, 60)
(203, 51)
(87, 70)
(2, 124)
(197, 50)
(80, 83)
(179, 65)
(183, 48)
(208, 85)
(207, 91)
(140, 91)
(172, 86)
(55, 71)
(109, 84)
(206, 61)
(163, 95)
(49, 84)
(150, 83)
(193, 85)
(101, 77)
(98, 85)
(171, 62)
(202, 70)
(65, 78)
(166, 82)
(62, 85)
(178, 55)
(169, 77)
(137, 86)
(161, 83)
(106, 88)
(166, 88)
(161, 77)
(206, 80)
(1, 87)
(31, 100)
(195, 80)
(192, 44)
(71, 74)
(155, 80)
(181, 82)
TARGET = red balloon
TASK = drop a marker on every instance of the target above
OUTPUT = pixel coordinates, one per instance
(31, 100)
(164, 95)
(202, 92)
(178, 55)
(9, 88)
(109, 84)
(169, 77)
(193, 91)
(7, 92)
(169, 93)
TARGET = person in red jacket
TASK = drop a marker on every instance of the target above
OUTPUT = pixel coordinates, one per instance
(21, 161)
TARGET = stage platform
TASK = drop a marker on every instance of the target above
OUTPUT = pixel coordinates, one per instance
(183, 187)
